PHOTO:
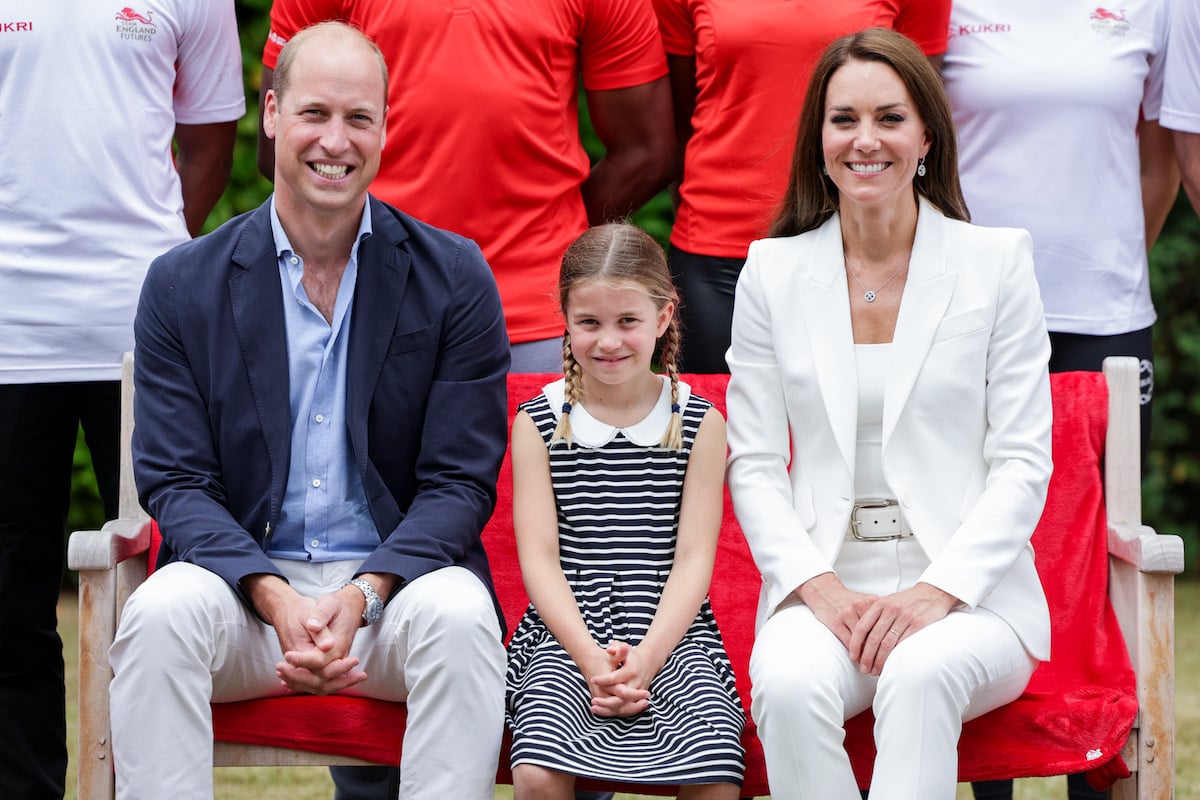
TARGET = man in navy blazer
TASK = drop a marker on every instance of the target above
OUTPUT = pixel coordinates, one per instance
(320, 419)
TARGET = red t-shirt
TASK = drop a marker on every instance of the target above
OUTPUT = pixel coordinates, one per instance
(753, 62)
(483, 131)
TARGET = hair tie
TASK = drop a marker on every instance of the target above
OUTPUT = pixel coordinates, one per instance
(674, 408)
(566, 409)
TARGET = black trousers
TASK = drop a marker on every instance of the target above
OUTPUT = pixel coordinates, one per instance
(1079, 351)
(38, 427)
(706, 287)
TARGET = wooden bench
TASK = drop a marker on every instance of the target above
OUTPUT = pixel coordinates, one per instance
(1132, 706)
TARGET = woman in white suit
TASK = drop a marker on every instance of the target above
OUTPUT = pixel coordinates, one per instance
(889, 432)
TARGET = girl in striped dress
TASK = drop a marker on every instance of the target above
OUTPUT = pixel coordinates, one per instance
(617, 671)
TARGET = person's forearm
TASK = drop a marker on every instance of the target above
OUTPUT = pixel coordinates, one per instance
(203, 158)
(384, 584)
(682, 596)
(554, 602)
(267, 593)
(1187, 149)
(1160, 177)
(635, 125)
(620, 184)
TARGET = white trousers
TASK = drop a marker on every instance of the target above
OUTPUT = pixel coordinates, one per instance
(804, 687)
(185, 640)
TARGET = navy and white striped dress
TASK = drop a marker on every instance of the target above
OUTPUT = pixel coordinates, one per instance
(618, 495)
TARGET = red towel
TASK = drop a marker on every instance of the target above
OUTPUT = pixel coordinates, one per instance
(1074, 716)
(1079, 707)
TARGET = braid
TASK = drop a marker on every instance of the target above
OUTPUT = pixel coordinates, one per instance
(621, 255)
(673, 437)
(574, 376)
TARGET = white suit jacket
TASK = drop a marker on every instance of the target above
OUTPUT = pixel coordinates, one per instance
(966, 413)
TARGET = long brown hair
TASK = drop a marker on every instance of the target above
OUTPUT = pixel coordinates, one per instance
(811, 196)
(622, 254)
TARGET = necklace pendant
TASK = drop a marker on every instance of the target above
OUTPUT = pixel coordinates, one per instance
(869, 297)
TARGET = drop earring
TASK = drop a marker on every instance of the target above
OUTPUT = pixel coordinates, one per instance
(921, 168)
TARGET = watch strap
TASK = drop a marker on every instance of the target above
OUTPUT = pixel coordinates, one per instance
(373, 611)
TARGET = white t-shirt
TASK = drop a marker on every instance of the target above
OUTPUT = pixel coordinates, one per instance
(1046, 98)
(1181, 84)
(90, 94)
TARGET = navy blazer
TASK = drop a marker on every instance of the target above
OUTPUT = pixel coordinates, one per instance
(426, 402)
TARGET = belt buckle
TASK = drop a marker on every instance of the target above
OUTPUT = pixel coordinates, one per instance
(875, 503)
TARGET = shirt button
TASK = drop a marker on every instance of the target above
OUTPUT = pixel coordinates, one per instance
(319, 417)
(295, 260)
(315, 543)
(316, 483)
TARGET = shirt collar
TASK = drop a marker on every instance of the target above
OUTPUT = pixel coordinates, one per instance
(283, 245)
(587, 431)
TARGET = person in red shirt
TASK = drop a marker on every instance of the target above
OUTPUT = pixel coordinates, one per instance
(483, 134)
(483, 140)
(738, 71)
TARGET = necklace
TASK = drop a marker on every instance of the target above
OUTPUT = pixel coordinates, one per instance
(870, 294)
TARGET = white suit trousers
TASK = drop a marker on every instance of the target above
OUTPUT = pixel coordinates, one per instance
(186, 640)
(804, 687)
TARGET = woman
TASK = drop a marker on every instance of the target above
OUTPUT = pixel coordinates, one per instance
(889, 427)
(738, 70)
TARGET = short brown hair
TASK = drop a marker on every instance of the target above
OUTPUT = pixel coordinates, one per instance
(287, 56)
(811, 196)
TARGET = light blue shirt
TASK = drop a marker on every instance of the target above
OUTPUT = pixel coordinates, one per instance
(325, 516)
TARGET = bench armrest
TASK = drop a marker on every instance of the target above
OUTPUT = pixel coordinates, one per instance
(1147, 551)
(119, 540)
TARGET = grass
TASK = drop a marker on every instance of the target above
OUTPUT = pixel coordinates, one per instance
(313, 783)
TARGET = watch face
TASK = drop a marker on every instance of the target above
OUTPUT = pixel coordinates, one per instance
(373, 611)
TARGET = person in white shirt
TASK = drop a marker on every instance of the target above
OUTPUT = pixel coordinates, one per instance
(1056, 107)
(92, 99)
(1181, 94)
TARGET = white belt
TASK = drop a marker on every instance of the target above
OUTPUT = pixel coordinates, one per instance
(877, 521)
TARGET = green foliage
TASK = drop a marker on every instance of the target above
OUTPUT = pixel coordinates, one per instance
(1171, 490)
(247, 188)
(87, 512)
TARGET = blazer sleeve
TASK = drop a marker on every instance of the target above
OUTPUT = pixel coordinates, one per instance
(176, 465)
(775, 522)
(997, 527)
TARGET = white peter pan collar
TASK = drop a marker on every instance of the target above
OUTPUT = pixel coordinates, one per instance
(587, 431)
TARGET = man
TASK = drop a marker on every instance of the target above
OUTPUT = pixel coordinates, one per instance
(485, 142)
(1181, 94)
(89, 194)
(321, 416)
(485, 136)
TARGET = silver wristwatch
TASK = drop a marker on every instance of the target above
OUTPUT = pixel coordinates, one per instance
(374, 610)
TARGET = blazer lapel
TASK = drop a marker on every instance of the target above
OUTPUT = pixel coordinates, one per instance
(383, 269)
(256, 299)
(825, 305)
(927, 294)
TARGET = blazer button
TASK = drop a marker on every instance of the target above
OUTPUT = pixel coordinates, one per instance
(906, 500)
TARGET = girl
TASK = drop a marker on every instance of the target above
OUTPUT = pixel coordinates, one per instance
(617, 670)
